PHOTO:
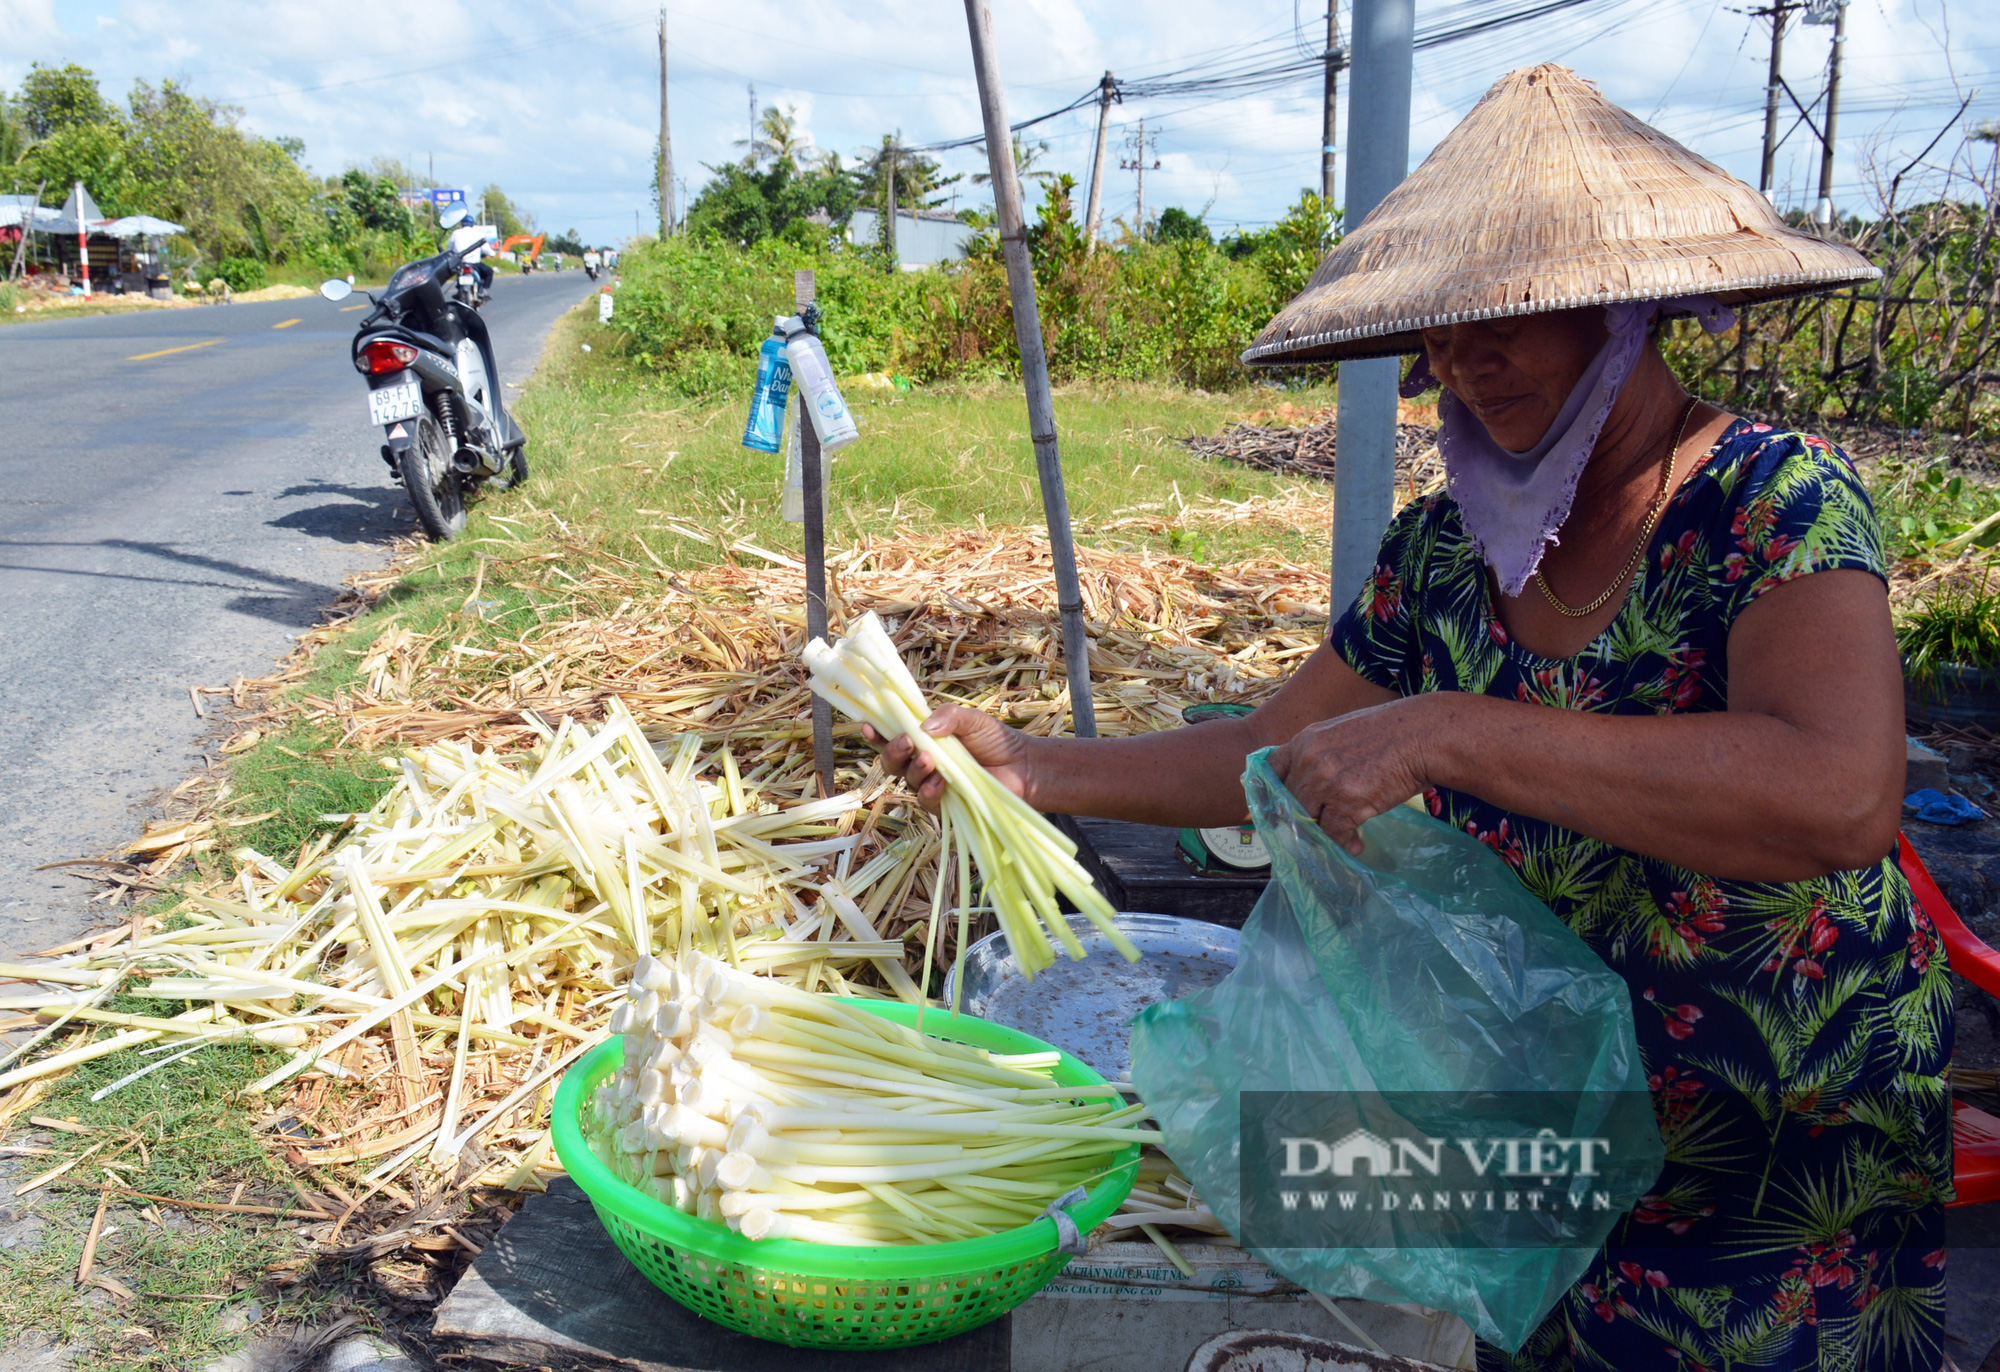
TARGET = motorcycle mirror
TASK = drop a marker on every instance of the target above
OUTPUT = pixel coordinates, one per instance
(336, 289)
(455, 215)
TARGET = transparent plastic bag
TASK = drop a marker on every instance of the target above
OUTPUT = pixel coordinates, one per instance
(1421, 990)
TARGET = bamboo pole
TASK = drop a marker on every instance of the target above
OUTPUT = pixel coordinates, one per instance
(1034, 364)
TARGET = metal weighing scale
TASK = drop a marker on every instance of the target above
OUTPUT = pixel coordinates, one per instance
(1234, 850)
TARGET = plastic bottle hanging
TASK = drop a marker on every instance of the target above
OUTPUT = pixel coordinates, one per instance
(831, 419)
(765, 428)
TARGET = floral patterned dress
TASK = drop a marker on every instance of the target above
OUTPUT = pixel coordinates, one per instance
(1796, 1034)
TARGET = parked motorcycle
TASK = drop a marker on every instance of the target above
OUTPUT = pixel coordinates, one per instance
(432, 382)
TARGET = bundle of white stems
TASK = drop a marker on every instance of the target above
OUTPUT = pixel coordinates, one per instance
(790, 1115)
(1023, 860)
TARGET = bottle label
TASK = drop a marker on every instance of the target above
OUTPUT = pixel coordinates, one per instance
(765, 425)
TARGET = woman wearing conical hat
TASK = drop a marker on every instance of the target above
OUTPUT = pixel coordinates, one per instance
(1642, 648)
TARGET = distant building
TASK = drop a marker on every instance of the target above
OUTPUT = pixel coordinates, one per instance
(923, 237)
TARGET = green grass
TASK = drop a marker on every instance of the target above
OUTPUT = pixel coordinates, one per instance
(1958, 625)
(937, 457)
(303, 775)
(196, 1142)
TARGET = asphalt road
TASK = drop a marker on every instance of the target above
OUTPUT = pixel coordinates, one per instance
(180, 492)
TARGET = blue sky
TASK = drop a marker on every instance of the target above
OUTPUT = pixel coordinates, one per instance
(557, 102)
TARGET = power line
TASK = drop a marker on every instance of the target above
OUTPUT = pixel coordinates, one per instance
(1254, 73)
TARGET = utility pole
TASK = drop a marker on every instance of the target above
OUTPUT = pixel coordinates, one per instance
(666, 140)
(1776, 13)
(1034, 366)
(1106, 90)
(889, 213)
(1823, 212)
(1138, 143)
(1141, 161)
(753, 124)
(1329, 123)
(1378, 141)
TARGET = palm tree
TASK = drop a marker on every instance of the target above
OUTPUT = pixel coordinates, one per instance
(1025, 157)
(779, 138)
(919, 184)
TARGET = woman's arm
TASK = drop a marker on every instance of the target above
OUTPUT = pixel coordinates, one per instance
(1191, 776)
(1801, 776)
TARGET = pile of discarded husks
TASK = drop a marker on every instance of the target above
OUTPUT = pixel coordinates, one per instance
(1305, 447)
(718, 648)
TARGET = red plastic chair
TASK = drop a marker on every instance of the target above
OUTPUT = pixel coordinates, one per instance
(1975, 1135)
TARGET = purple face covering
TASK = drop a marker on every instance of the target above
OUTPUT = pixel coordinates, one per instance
(1513, 503)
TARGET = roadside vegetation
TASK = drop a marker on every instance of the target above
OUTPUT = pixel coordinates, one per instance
(255, 214)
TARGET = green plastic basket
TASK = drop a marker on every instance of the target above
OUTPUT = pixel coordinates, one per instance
(824, 1295)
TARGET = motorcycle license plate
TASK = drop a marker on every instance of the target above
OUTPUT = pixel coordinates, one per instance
(392, 403)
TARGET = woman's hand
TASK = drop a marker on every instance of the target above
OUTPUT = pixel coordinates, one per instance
(1356, 766)
(1000, 750)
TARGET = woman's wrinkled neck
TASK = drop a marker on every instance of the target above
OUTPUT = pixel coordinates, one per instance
(1630, 445)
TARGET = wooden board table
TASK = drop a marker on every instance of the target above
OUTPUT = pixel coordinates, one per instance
(552, 1290)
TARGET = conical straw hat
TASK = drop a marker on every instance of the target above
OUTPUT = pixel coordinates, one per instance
(1546, 197)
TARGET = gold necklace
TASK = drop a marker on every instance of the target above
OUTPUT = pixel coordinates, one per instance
(1645, 533)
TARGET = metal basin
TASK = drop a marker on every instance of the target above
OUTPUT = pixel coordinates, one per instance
(1087, 1007)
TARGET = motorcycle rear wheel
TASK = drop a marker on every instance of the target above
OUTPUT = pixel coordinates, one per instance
(433, 483)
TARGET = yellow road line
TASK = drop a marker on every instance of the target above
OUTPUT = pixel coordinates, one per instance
(286, 324)
(144, 357)
(345, 308)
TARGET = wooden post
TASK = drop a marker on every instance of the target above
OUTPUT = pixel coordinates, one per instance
(27, 227)
(1034, 365)
(1107, 89)
(815, 513)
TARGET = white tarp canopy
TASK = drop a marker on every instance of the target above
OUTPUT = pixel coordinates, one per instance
(138, 226)
(16, 210)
